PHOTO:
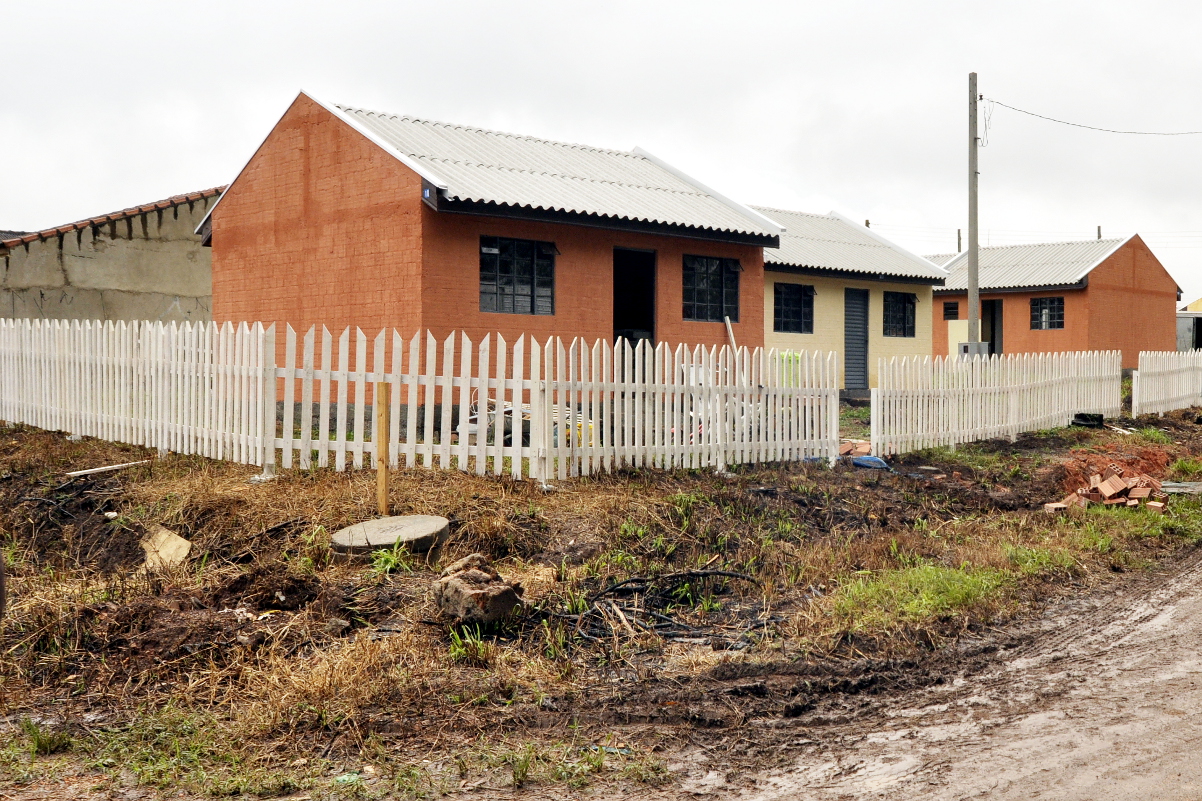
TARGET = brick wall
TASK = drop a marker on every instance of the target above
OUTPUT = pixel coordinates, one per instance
(322, 227)
(1128, 305)
(325, 227)
(583, 281)
(1132, 304)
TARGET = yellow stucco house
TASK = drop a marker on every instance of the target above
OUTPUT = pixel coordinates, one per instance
(834, 284)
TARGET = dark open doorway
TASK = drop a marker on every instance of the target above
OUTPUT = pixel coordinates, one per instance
(991, 324)
(634, 294)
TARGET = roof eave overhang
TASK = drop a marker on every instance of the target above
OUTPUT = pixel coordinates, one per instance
(443, 204)
(852, 275)
(1010, 290)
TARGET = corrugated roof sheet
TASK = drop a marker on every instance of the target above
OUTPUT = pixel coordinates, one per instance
(829, 242)
(19, 237)
(941, 258)
(1047, 264)
(489, 166)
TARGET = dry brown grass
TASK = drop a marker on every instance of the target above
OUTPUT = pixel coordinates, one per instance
(266, 637)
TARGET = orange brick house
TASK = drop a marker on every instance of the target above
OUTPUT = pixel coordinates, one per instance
(1105, 294)
(350, 217)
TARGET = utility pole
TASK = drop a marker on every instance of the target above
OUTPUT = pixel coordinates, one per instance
(1099, 232)
(959, 246)
(974, 295)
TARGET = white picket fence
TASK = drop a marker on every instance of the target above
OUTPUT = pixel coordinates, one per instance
(192, 388)
(925, 402)
(1166, 380)
(541, 410)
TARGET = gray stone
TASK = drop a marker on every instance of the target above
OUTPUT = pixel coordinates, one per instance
(471, 591)
(418, 533)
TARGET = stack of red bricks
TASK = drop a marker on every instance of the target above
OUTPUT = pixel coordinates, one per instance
(1116, 487)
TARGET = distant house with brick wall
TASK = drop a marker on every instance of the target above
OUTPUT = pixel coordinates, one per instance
(351, 217)
(834, 284)
(140, 263)
(1104, 294)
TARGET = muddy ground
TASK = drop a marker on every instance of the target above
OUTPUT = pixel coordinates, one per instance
(696, 685)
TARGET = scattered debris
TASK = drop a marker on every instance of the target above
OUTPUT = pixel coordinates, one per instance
(1182, 487)
(471, 591)
(1115, 487)
(108, 469)
(1084, 420)
(164, 548)
(871, 462)
(855, 447)
(418, 533)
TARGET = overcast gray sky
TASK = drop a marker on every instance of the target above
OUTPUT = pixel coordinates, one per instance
(856, 107)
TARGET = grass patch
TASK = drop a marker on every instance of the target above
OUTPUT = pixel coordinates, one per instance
(172, 748)
(1039, 561)
(887, 599)
(1186, 469)
(1154, 436)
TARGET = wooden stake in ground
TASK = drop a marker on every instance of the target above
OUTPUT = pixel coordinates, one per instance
(381, 438)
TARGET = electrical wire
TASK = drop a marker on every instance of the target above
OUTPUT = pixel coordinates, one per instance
(1094, 128)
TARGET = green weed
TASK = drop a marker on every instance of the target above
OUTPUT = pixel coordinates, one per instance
(469, 647)
(392, 560)
(43, 742)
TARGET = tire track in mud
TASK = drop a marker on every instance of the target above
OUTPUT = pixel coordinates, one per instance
(1098, 699)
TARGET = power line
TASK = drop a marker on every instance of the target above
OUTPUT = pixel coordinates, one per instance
(1094, 128)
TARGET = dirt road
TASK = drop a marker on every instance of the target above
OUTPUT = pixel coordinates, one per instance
(1105, 703)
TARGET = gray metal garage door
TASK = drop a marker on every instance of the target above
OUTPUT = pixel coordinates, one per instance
(855, 338)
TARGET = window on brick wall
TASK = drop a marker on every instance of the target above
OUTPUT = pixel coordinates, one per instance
(711, 289)
(899, 314)
(793, 308)
(517, 276)
(1047, 313)
(951, 310)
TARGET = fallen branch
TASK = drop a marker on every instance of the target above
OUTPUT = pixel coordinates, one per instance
(106, 469)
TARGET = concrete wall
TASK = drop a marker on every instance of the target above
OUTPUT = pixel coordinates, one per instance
(147, 267)
(828, 319)
(324, 227)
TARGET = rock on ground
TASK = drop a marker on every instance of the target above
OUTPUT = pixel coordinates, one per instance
(471, 591)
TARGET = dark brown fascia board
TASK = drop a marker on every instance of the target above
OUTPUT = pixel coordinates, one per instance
(851, 275)
(488, 209)
(1082, 284)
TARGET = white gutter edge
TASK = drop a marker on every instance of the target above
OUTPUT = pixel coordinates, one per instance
(421, 169)
(766, 222)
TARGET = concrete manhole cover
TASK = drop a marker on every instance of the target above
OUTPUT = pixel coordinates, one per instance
(418, 533)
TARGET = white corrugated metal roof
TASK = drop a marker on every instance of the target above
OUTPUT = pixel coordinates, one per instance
(1047, 264)
(833, 242)
(474, 164)
(941, 258)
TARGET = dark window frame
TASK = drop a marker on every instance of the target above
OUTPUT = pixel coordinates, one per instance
(1047, 314)
(710, 288)
(951, 310)
(517, 276)
(792, 308)
(900, 315)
